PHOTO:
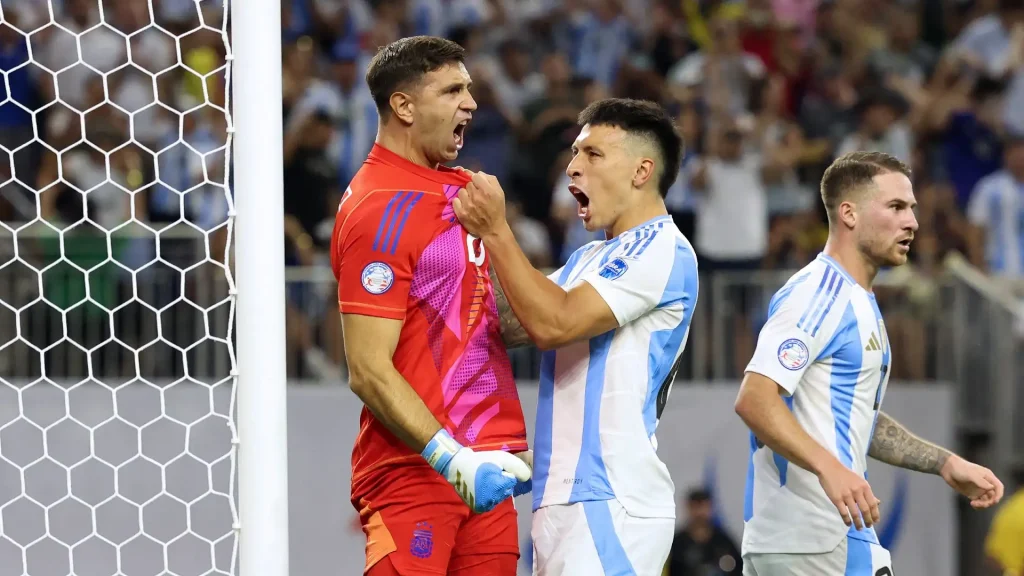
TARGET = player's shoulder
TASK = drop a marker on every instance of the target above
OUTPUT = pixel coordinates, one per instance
(656, 241)
(818, 291)
(387, 219)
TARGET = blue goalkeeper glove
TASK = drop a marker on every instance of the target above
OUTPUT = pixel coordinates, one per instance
(482, 479)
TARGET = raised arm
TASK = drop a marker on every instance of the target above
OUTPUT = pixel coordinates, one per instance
(369, 346)
(894, 444)
(549, 315)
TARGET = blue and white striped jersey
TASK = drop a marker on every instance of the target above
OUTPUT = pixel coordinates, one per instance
(600, 399)
(997, 204)
(826, 345)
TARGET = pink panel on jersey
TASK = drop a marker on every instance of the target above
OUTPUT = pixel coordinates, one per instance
(436, 283)
(450, 191)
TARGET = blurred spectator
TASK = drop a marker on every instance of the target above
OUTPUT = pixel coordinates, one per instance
(1004, 546)
(701, 547)
(996, 206)
(766, 93)
(880, 127)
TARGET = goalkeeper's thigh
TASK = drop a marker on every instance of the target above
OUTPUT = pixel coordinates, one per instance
(504, 564)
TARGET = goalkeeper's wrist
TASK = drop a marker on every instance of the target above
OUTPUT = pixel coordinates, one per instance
(440, 451)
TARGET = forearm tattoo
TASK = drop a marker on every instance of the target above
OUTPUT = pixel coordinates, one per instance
(512, 332)
(894, 444)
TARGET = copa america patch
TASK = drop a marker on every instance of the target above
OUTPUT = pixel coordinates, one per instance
(377, 277)
(613, 269)
(793, 354)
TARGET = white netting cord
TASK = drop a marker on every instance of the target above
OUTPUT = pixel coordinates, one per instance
(117, 363)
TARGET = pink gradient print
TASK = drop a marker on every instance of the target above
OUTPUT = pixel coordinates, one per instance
(450, 191)
(438, 286)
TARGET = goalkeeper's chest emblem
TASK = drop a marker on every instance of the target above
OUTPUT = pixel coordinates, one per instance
(422, 544)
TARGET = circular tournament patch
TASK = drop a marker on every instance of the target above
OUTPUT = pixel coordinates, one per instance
(377, 277)
(793, 354)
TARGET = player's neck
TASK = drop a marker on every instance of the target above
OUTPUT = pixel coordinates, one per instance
(402, 143)
(637, 215)
(852, 261)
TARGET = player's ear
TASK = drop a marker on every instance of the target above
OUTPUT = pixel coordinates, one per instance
(402, 107)
(847, 212)
(644, 171)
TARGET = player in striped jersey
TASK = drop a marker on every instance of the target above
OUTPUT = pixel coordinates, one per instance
(613, 322)
(812, 392)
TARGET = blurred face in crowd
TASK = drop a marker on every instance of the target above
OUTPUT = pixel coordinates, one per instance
(731, 145)
(604, 164)
(698, 511)
(726, 37)
(903, 26)
(346, 73)
(441, 109)
(878, 119)
(885, 222)
(1013, 157)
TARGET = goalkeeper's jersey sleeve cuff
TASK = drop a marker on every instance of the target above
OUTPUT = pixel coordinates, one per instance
(440, 451)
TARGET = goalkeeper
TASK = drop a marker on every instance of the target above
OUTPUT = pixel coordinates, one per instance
(422, 336)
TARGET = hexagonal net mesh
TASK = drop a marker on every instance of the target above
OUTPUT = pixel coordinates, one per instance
(117, 367)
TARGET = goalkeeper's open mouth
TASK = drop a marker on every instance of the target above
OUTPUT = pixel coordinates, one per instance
(583, 200)
(459, 134)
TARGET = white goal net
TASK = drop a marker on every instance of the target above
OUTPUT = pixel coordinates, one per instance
(117, 371)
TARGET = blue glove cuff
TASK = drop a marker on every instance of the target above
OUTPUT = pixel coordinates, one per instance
(440, 451)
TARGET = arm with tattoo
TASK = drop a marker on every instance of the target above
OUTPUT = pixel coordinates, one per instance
(512, 332)
(894, 444)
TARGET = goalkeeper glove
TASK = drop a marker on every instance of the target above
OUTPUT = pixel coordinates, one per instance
(527, 486)
(482, 479)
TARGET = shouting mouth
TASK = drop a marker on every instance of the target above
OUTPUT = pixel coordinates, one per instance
(583, 200)
(459, 134)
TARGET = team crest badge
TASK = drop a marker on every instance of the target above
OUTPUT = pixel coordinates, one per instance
(422, 544)
(793, 354)
(377, 277)
(613, 269)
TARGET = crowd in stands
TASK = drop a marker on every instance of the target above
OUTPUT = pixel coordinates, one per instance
(107, 115)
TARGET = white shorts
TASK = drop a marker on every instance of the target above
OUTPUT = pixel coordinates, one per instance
(595, 538)
(851, 558)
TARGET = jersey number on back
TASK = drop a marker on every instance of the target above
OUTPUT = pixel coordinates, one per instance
(471, 251)
(878, 392)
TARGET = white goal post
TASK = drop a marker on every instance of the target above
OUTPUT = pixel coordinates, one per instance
(263, 460)
(142, 300)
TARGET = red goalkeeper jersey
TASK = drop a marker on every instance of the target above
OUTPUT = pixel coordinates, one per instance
(398, 252)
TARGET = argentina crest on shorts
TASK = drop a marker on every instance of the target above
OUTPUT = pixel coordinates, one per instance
(422, 544)
(377, 277)
(793, 354)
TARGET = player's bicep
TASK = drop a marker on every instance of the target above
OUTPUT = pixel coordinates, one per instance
(370, 344)
(785, 347)
(585, 315)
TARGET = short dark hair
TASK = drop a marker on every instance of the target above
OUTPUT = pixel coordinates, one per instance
(699, 494)
(854, 171)
(406, 61)
(647, 120)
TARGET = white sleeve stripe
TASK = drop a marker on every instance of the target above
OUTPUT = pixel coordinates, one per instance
(833, 294)
(816, 301)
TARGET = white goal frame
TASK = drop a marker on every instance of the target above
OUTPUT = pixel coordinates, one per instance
(256, 126)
